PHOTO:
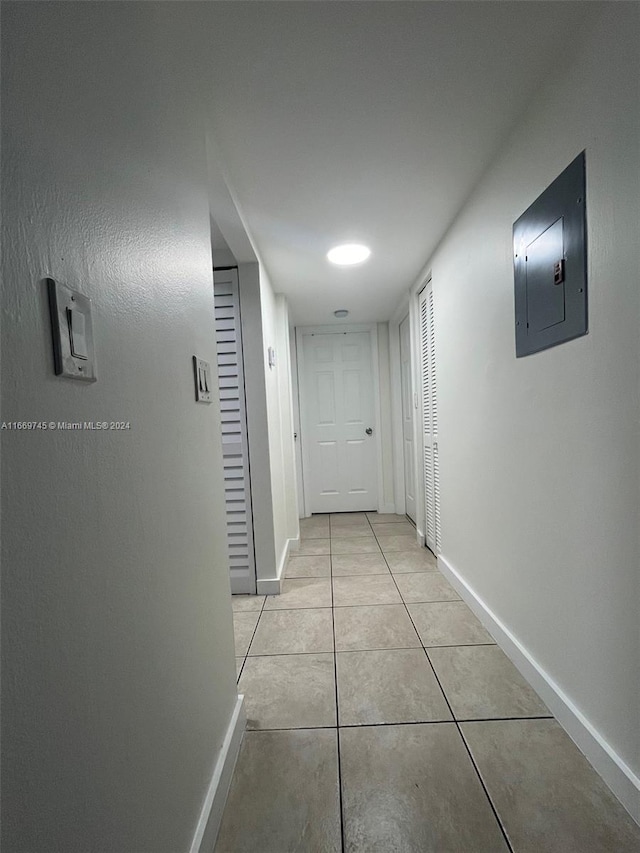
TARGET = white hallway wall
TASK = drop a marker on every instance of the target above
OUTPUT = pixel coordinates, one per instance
(539, 456)
(118, 668)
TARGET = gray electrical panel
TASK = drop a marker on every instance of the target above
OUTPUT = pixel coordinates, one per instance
(550, 264)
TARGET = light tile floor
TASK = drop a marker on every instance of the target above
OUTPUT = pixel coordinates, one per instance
(382, 717)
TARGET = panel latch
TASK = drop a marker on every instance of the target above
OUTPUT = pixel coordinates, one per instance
(558, 271)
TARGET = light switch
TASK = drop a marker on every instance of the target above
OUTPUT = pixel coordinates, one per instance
(202, 376)
(72, 332)
(77, 333)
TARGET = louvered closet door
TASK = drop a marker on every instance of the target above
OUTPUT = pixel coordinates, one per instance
(235, 450)
(431, 472)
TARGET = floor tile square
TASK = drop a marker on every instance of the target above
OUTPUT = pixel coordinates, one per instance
(239, 665)
(308, 567)
(313, 548)
(425, 586)
(547, 794)
(389, 686)
(243, 603)
(406, 542)
(448, 623)
(343, 565)
(365, 589)
(398, 528)
(385, 518)
(384, 626)
(244, 624)
(282, 632)
(480, 682)
(339, 522)
(352, 531)
(314, 527)
(301, 592)
(289, 691)
(413, 789)
(284, 797)
(354, 545)
(420, 560)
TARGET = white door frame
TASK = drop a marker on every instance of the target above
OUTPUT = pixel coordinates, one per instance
(301, 332)
(396, 402)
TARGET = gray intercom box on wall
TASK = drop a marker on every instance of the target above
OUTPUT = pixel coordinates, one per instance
(550, 264)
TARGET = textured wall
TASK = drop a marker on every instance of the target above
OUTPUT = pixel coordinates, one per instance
(118, 671)
(539, 455)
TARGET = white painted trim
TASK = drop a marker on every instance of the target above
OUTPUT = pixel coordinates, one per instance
(269, 586)
(208, 825)
(304, 456)
(273, 586)
(388, 508)
(375, 354)
(372, 329)
(296, 421)
(257, 419)
(399, 490)
(294, 544)
(615, 772)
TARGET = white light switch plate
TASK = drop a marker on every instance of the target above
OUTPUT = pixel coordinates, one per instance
(72, 331)
(203, 379)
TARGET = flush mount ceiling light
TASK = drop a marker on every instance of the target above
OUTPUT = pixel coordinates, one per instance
(348, 254)
(340, 313)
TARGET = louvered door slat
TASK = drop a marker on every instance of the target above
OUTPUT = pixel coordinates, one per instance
(233, 422)
(430, 419)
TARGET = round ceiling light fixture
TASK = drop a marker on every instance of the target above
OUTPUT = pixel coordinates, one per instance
(349, 254)
(341, 313)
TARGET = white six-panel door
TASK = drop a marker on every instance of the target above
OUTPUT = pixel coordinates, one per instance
(235, 449)
(407, 418)
(431, 461)
(337, 407)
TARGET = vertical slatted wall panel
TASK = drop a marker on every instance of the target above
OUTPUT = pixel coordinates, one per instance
(430, 420)
(235, 450)
(426, 421)
(434, 416)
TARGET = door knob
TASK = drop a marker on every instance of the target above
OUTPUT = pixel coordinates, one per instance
(369, 431)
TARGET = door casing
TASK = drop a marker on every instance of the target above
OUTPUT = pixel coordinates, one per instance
(408, 400)
(372, 329)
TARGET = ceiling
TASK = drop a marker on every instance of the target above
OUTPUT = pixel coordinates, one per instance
(368, 122)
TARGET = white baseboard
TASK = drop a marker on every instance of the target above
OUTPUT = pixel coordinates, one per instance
(269, 586)
(388, 508)
(421, 538)
(617, 774)
(273, 586)
(211, 816)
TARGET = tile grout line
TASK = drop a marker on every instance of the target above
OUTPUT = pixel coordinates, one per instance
(402, 723)
(335, 676)
(251, 640)
(453, 717)
(354, 651)
(503, 829)
(373, 604)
